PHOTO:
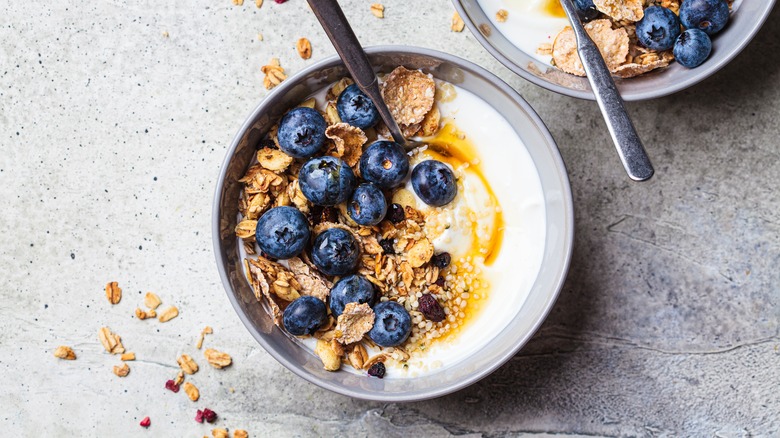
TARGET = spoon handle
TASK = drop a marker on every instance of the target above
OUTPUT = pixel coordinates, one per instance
(336, 26)
(622, 130)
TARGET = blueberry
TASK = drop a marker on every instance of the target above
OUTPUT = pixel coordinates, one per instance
(282, 232)
(692, 48)
(335, 252)
(708, 15)
(367, 206)
(356, 108)
(351, 289)
(385, 164)
(392, 324)
(658, 29)
(305, 315)
(326, 180)
(302, 132)
(434, 183)
(586, 9)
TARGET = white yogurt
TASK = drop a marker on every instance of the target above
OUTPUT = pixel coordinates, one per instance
(513, 178)
(527, 25)
(514, 181)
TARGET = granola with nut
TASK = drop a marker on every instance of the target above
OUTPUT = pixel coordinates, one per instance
(395, 256)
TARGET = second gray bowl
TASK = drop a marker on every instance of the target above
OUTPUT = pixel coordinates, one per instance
(746, 19)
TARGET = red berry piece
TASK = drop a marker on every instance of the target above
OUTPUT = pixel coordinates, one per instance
(209, 415)
(146, 422)
(431, 308)
(170, 385)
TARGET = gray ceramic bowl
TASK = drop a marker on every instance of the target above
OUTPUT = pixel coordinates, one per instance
(745, 21)
(558, 242)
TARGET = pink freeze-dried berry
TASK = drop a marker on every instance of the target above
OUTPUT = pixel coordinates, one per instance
(146, 422)
(170, 385)
(206, 414)
(280, 1)
(431, 308)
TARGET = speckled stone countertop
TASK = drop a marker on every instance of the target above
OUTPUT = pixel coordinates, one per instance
(112, 137)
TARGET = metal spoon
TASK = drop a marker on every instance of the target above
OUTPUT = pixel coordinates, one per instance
(336, 26)
(624, 135)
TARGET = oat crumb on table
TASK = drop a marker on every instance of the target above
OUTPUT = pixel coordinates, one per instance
(378, 10)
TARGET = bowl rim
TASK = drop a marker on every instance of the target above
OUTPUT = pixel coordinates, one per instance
(711, 68)
(568, 237)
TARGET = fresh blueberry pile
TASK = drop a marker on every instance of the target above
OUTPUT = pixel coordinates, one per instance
(660, 29)
(329, 182)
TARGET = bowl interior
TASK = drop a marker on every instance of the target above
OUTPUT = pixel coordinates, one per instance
(558, 242)
(744, 23)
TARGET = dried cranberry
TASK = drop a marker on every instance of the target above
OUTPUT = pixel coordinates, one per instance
(387, 246)
(377, 370)
(431, 308)
(199, 416)
(395, 213)
(146, 422)
(442, 260)
(280, 1)
(170, 385)
(439, 282)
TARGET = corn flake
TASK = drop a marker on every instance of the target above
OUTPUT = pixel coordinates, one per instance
(409, 95)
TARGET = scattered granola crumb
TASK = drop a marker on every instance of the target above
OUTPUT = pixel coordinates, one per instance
(127, 356)
(219, 433)
(217, 359)
(170, 385)
(501, 15)
(232, 390)
(113, 292)
(165, 34)
(179, 378)
(192, 391)
(274, 74)
(111, 341)
(122, 370)
(168, 314)
(259, 3)
(304, 48)
(238, 2)
(151, 300)
(206, 331)
(146, 422)
(457, 24)
(240, 433)
(187, 364)
(65, 352)
(378, 10)
(259, 36)
(485, 29)
(142, 315)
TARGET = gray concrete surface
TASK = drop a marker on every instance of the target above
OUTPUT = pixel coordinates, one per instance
(111, 138)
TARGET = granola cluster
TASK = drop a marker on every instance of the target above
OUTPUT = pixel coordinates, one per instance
(397, 256)
(614, 32)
